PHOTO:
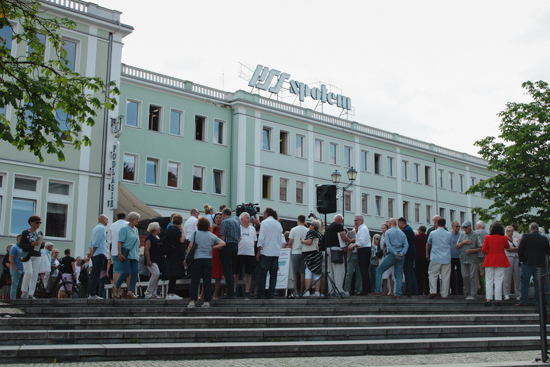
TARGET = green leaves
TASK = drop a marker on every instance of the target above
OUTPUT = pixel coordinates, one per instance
(51, 102)
(520, 156)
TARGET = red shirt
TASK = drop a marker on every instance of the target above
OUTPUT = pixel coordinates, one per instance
(493, 248)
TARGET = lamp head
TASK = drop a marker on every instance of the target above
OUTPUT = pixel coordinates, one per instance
(335, 176)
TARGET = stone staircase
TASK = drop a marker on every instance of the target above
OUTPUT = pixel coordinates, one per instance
(95, 330)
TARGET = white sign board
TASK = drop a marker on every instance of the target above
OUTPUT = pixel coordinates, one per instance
(285, 278)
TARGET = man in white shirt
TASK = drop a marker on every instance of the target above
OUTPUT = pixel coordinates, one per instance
(363, 245)
(297, 234)
(269, 249)
(115, 229)
(190, 226)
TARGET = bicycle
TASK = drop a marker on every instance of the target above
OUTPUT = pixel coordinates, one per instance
(60, 288)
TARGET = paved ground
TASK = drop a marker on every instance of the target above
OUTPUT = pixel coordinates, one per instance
(524, 358)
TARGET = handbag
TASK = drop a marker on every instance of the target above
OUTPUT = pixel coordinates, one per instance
(191, 254)
(336, 256)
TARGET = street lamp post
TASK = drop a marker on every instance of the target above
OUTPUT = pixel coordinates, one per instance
(335, 176)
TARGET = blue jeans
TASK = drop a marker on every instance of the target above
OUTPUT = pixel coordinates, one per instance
(525, 275)
(129, 267)
(15, 280)
(386, 264)
(201, 268)
(411, 286)
(228, 258)
(268, 264)
(98, 262)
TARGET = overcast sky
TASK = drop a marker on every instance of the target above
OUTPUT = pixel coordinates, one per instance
(438, 71)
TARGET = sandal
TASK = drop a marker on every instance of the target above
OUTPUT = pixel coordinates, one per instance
(131, 295)
(116, 293)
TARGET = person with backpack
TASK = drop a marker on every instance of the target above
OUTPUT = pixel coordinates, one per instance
(32, 240)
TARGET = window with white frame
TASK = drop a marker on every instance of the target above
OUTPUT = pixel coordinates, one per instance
(173, 174)
(132, 113)
(300, 192)
(390, 166)
(365, 203)
(364, 160)
(218, 181)
(347, 157)
(404, 170)
(472, 181)
(283, 142)
(417, 213)
(59, 201)
(24, 203)
(378, 206)
(283, 189)
(461, 183)
(440, 182)
(462, 217)
(62, 119)
(152, 171)
(347, 201)
(219, 132)
(451, 181)
(452, 215)
(200, 128)
(300, 148)
(390, 208)
(266, 138)
(318, 150)
(155, 118)
(6, 32)
(198, 178)
(378, 163)
(176, 123)
(442, 212)
(129, 168)
(266, 186)
(406, 210)
(416, 172)
(428, 213)
(333, 148)
(41, 39)
(428, 175)
(71, 57)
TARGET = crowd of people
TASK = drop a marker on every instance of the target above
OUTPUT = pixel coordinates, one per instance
(434, 262)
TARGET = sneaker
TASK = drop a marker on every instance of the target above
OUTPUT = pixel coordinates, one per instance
(344, 294)
(95, 297)
(173, 296)
(148, 295)
(518, 298)
(470, 298)
(317, 294)
(506, 297)
(191, 304)
(306, 294)
(204, 305)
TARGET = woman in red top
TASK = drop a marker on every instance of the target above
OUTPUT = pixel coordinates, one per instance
(495, 262)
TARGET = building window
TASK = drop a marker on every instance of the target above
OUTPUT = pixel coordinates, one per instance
(300, 192)
(57, 213)
(132, 113)
(451, 181)
(2, 193)
(219, 132)
(155, 115)
(152, 171)
(440, 183)
(266, 187)
(218, 183)
(474, 219)
(406, 210)
(428, 214)
(200, 128)
(283, 142)
(173, 172)
(70, 57)
(300, 146)
(365, 203)
(332, 151)
(318, 150)
(428, 175)
(377, 164)
(461, 183)
(417, 213)
(6, 33)
(24, 203)
(442, 212)
(378, 206)
(347, 201)
(364, 161)
(390, 166)
(452, 215)
(462, 217)
(347, 157)
(129, 166)
(416, 173)
(390, 208)
(62, 117)
(198, 178)
(283, 189)
(176, 122)
(472, 181)
(266, 138)
(404, 170)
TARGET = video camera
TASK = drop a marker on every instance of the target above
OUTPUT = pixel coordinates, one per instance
(250, 208)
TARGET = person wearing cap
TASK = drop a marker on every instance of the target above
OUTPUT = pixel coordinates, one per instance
(46, 264)
(469, 244)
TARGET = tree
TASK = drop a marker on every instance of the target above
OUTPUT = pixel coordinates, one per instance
(520, 157)
(50, 101)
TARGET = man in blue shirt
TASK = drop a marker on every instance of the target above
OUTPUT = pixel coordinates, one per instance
(397, 246)
(438, 253)
(98, 254)
(16, 268)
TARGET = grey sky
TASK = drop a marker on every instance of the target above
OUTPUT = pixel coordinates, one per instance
(437, 71)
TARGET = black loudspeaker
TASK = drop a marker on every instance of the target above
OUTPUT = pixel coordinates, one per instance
(326, 199)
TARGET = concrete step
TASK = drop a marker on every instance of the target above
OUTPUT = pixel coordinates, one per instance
(217, 335)
(231, 350)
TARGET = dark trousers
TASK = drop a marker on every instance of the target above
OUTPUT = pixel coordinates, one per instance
(421, 271)
(228, 258)
(201, 268)
(268, 264)
(363, 258)
(98, 262)
(411, 285)
(457, 284)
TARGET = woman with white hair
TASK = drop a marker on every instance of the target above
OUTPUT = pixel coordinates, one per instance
(153, 257)
(313, 257)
